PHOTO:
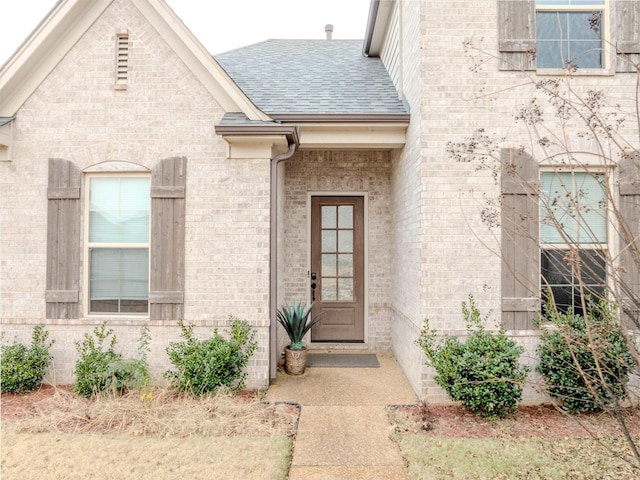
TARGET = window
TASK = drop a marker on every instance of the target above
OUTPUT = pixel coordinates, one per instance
(573, 236)
(517, 34)
(337, 252)
(569, 33)
(118, 244)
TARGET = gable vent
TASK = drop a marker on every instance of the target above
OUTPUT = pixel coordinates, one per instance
(122, 60)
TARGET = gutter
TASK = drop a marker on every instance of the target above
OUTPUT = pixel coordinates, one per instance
(273, 255)
(270, 128)
(341, 117)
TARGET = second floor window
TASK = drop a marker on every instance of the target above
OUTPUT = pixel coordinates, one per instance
(569, 33)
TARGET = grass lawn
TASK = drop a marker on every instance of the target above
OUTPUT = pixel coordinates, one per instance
(84, 456)
(513, 458)
(55, 434)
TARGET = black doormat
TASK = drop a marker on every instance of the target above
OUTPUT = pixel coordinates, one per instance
(343, 360)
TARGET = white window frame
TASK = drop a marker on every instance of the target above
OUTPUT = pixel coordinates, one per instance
(89, 245)
(605, 247)
(605, 8)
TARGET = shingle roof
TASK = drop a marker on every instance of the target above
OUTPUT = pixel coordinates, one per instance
(312, 77)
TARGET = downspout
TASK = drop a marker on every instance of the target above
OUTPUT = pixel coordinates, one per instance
(273, 257)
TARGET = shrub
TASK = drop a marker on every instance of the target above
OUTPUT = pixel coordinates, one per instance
(100, 369)
(23, 367)
(585, 360)
(482, 372)
(203, 366)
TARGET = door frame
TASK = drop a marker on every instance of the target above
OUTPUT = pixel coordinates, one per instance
(365, 197)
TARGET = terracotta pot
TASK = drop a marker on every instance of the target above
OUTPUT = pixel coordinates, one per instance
(295, 361)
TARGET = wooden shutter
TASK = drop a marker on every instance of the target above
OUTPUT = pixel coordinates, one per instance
(517, 34)
(627, 29)
(520, 242)
(166, 282)
(63, 240)
(629, 175)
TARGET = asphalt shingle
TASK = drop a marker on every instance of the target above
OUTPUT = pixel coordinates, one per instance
(312, 77)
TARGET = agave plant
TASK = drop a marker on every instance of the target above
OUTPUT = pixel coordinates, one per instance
(296, 322)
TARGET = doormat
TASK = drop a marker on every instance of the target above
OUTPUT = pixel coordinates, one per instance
(343, 360)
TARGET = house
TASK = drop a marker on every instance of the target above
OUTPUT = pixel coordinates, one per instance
(144, 181)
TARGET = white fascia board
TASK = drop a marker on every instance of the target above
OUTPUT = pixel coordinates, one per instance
(377, 29)
(353, 135)
(198, 59)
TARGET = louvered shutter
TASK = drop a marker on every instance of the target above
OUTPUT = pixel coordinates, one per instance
(630, 238)
(63, 240)
(519, 240)
(517, 34)
(627, 30)
(166, 295)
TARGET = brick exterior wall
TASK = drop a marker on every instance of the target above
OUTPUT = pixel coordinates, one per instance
(453, 91)
(427, 246)
(165, 111)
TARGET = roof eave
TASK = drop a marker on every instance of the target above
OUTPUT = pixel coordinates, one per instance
(349, 134)
(289, 131)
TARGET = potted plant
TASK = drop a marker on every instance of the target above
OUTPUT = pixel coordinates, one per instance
(296, 322)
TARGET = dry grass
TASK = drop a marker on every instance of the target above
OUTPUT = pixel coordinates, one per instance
(466, 458)
(66, 456)
(157, 435)
(160, 413)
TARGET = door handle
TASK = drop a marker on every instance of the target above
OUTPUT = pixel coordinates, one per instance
(313, 286)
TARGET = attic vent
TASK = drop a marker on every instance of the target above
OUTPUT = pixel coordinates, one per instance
(122, 60)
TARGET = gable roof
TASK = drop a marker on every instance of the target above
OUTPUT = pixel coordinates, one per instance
(298, 80)
(69, 20)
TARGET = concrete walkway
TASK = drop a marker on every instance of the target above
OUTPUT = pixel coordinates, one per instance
(343, 431)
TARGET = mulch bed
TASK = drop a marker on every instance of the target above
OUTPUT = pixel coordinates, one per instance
(540, 421)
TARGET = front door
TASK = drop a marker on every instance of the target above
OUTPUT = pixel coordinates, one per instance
(337, 268)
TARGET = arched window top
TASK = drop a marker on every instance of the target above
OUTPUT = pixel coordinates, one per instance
(115, 167)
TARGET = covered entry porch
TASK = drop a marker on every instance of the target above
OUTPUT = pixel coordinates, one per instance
(334, 238)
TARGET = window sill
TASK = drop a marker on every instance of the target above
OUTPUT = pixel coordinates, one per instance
(580, 72)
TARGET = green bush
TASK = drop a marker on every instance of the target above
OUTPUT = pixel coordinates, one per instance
(483, 372)
(585, 360)
(23, 367)
(100, 369)
(203, 366)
